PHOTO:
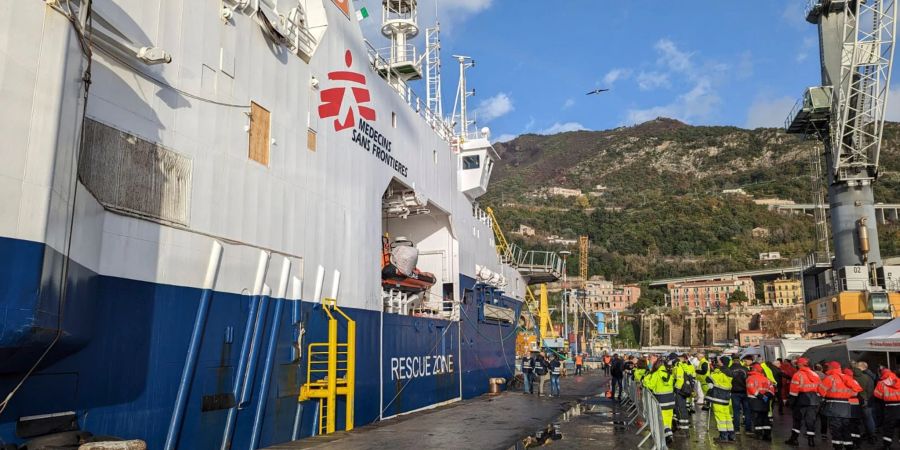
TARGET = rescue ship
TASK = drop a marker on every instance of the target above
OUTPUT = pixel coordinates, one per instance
(232, 223)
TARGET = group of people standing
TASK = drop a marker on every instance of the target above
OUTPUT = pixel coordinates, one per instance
(847, 401)
(537, 368)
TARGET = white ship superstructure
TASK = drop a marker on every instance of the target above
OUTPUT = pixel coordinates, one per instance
(191, 169)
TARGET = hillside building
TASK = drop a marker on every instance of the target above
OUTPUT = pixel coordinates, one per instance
(524, 230)
(708, 295)
(770, 256)
(781, 293)
(749, 338)
(602, 295)
(760, 232)
(563, 192)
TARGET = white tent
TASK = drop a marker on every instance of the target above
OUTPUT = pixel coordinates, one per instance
(885, 338)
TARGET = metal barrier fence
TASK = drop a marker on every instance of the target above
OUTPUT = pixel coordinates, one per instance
(640, 405)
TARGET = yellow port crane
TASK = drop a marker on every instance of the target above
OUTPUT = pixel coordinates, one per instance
(537, 307)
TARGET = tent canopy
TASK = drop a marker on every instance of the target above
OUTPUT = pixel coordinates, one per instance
(885, 338)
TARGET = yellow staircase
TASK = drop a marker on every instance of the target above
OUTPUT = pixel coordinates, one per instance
(331, 370)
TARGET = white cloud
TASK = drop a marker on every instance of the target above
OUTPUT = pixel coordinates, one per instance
(494, 107)
(506, 137)
(562, 128)
(530, 125)
(451, 13)
(570, 102)
(615, 75)
(698, 103)
(673, 58)
(648, 81)
(770, 113)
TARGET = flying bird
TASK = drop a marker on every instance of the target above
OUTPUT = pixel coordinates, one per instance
(597, 91)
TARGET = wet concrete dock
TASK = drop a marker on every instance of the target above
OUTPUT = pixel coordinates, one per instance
(485, 422)
(581, 418)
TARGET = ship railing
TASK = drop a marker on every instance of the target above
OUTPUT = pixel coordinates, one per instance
(482, 216)
(399, 55)
(298, 36)
(396, 80)
(445, 308)
(814, 259)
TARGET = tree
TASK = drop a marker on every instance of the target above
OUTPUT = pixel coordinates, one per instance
(649, 298)
(780, 321)
(738, 296)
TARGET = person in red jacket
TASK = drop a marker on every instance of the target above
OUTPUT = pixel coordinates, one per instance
(888, 391)
(787, 373)
(837, 389)
(804, 401)
(759, 391)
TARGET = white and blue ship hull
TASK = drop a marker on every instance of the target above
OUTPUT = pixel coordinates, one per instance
(99, 302)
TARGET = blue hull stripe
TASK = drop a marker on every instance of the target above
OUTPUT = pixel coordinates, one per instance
(122, 352)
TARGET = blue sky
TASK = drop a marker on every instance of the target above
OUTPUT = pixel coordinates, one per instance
(705, 62)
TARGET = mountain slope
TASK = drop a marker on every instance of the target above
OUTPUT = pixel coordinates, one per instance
(653, 203)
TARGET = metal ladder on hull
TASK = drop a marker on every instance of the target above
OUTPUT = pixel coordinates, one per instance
(331, 370)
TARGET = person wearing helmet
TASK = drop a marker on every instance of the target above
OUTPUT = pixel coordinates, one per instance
(803, 398)
(662, 384)
(760, 391)
(837, 389)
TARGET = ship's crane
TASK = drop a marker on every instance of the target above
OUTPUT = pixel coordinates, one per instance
(852, 291)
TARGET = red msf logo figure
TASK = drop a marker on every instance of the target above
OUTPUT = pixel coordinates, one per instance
(333, 98)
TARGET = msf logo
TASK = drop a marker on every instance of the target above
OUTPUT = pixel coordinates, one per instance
(334, 101)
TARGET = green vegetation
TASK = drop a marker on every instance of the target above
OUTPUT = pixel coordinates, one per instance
(659, 210)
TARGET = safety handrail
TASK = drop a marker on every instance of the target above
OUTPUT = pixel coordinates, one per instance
(641, 404)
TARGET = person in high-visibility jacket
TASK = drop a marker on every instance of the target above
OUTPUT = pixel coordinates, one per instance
(703, 371)
(837, 389)
(662, 384)
(804, 401)
(760, 391)
(684, 373)
(640, 370)
(770, 374)
(888, 391)
(719, 395)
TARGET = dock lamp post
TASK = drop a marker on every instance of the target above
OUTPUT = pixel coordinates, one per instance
(565, 294)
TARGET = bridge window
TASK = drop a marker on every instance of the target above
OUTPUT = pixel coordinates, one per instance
(471, 162)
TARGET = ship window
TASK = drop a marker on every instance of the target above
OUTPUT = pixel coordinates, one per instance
(311, 139)
(259, 134)
(471, 162)
(394, 119)
(434, 156)
(467, 296)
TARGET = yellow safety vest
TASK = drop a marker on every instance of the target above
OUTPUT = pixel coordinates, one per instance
(768, 372)
(639, 374)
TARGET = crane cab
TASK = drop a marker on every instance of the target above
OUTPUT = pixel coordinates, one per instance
(476, 161)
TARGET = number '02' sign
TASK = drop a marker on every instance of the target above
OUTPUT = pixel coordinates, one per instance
(344, 6)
